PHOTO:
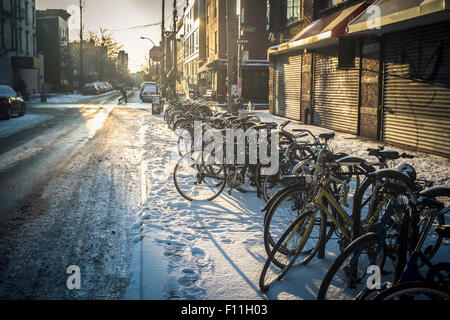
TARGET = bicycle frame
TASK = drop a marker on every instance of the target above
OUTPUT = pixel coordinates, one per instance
(319, 203)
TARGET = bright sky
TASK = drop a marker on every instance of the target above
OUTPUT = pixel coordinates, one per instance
(119, 14)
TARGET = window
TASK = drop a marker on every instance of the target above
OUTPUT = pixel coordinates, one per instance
(267, 15)
(27, 20)
(255, 84)
(215, 41)
(27, 42)
(13, 37)
(325, 4)
(292, 11)
(2, 34)
(215, 8)
(196, 40)
(19, 39)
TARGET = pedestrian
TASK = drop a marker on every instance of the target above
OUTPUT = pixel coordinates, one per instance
(123, 89)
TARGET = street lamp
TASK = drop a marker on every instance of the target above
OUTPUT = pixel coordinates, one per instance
(145, 38)
(150, 63)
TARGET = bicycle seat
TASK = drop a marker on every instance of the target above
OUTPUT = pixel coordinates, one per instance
(407, 170)
(389, 154)
(443, 231)
(268, 126)
(350, 161)
(327, 136)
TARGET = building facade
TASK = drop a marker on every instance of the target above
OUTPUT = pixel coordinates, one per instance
(194, 46)
(53, 43)
(122, 65)
(338, 67)
(19, 59)
(213, 70)
(253, 66)
(252, 73)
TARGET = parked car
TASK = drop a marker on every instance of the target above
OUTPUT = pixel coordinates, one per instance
(148, 90)
(90, 88)
(10, 102)
(101, 86)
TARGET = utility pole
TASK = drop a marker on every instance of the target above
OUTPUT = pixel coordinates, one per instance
(175, 62)
(81, 78)
(162, 75)
(231, 51)
(239, 48)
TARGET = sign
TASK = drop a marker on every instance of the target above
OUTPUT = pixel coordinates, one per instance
(242, 41)
(157, 54)
(245, 55)
(249, 29)
(235, 91)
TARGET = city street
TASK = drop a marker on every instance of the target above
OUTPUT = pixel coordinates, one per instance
(89, 184)
(70, 187)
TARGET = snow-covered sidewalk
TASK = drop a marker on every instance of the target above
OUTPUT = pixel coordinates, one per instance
(59, 98)
(214, 250)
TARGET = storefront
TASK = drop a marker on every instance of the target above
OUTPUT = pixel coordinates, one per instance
(255, 81)
(415, 100)
(306, 78)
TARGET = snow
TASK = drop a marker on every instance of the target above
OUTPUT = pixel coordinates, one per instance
(14, 125)
(182, 249)
(67, 98)
(90, 121)
(215, 250)
(58, 99)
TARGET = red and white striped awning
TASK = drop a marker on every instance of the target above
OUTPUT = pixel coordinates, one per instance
(321, 32)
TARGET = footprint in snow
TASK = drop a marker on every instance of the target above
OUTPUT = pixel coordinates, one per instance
(198, 253)
(188, 277)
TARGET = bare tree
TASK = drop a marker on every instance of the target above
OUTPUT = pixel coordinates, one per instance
(105, 38)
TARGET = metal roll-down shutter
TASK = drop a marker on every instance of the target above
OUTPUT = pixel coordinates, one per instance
(287, 81)
(336, 92)
(416, 108)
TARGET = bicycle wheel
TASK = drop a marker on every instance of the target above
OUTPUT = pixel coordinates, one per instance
(196, 181)
(282, 214)
(272, 184)
(433, 240)
(415, 290)
(347, 277)
(249, 179)
(287, 250)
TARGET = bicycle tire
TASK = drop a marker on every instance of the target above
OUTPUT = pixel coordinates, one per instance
(269, 274)
(215, 183)
(274, 228)
(282, 257)
(355, 247)
(404, 291)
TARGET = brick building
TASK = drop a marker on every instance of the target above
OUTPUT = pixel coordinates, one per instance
(18, 53)
(53, 42)
(253, 63)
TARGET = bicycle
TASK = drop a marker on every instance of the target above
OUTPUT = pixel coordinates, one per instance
(347, 276)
